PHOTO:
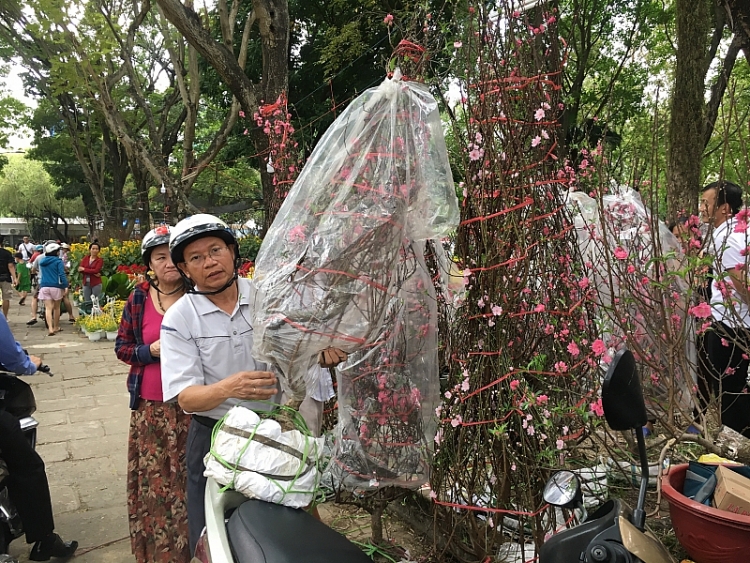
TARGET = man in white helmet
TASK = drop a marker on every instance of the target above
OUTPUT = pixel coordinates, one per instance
(206, 345)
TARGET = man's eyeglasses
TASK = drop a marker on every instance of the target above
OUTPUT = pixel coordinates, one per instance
(199, 259)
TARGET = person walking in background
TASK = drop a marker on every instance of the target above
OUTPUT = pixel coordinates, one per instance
(34, 271)
(64, 256)
(157, 443)
(91, 278)
(26, 248)
(7, 276)
(52, 284)
(23, 275)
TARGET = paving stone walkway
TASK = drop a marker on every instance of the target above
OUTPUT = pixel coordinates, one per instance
(83, 426)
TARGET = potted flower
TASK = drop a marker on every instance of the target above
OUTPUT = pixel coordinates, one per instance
(92, 325)
(81, 323)
(109, 325)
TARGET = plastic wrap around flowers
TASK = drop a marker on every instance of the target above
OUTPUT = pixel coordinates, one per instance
(343, 265)
(330, 267)
(631, 257)
(388, 393)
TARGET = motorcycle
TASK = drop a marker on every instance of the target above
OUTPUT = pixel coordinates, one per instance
(613, 533)
(242, 530)
(17, 398)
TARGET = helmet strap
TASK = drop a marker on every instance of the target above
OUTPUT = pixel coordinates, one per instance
(226, 286)
(155, 284)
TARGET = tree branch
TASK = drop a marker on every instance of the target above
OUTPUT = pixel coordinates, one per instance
(218, 56)
(719, 87)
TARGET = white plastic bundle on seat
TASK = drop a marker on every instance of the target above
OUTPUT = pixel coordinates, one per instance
(253, 456)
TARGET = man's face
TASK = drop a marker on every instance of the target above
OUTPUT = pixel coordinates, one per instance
(708, 211)
(26, 240)
(209, 263)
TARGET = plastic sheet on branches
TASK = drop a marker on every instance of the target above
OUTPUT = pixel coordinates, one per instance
(332, 265)
(624, 244)
(253, 456)
(388, 392)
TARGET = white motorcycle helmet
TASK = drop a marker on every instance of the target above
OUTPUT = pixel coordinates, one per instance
(155, 237)
(196, 227)
(51, 247)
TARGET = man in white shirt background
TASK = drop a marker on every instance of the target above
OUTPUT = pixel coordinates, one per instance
(26, 248)
(728, 340)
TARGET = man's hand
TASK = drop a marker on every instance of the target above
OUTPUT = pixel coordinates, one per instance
(251, 385)
(245, 385)
(155, 349)
(331, 357)
(36, 360)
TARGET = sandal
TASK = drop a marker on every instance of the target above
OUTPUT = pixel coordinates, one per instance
(51, 333)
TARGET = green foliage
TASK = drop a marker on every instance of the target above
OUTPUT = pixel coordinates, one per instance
(26, 191)
(249, 246)
(53, 147)
(343, 48)
(117, 286)
(12, 116)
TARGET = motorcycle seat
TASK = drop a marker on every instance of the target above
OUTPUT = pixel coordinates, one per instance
(263, 532)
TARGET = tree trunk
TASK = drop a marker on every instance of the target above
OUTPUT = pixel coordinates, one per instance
(719, 87)
(687, 124)
(739, 11)
(272, 17)
(217, 55)
(119, 169)
(143, 212)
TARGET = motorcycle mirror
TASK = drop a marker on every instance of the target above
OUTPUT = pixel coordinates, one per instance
(563, 489)
(622, 398)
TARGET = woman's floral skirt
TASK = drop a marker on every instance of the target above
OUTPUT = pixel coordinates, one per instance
(157, 481)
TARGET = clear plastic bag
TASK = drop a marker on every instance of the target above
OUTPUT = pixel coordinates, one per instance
(648, 250)
(331, 267)
(387, 394)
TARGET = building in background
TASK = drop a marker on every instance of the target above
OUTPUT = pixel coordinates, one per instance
(12, 230)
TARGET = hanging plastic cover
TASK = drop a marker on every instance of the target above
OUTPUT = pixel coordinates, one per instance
(331, 267)
(388, 392)
(651, 251)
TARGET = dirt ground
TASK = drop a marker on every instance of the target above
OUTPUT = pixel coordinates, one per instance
(404, 546)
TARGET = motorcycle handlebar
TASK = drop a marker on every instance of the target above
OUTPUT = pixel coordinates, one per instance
(46, 369)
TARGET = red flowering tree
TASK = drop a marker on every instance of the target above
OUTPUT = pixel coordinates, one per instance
(524, 382)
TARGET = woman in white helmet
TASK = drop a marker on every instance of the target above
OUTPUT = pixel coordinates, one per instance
(52, 285)
(157, 475)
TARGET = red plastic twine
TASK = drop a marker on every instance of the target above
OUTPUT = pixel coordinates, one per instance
(411, 51)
